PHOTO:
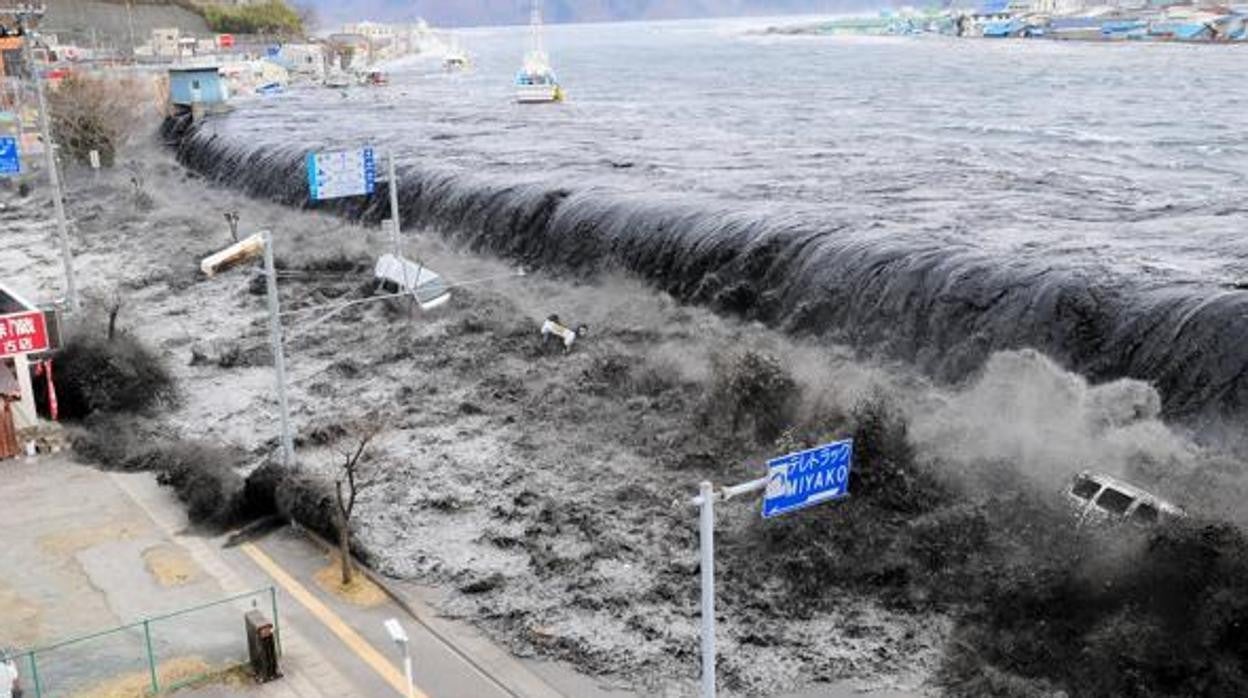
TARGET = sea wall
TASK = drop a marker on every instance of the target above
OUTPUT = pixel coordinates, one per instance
(945, 308)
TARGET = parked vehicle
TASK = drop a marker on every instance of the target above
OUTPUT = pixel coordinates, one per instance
(1101, 498)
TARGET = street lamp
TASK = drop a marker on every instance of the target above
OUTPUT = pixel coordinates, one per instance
(399, 636)
(262, 244)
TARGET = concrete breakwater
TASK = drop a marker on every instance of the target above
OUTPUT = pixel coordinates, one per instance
(945, 307)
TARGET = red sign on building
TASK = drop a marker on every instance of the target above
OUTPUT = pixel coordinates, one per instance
(23, 333)
(225, 41)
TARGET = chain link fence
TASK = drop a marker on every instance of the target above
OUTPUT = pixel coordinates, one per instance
(147, 657)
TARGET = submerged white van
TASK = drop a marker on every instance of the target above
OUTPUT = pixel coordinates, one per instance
(1102, 498)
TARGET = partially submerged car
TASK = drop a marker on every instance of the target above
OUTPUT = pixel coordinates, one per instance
(1101, 498)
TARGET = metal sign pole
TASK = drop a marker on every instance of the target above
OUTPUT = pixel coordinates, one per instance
(811, 476)
(407, 671)
(279, 359)
(392, 184)
(706, 539)
(54, 177)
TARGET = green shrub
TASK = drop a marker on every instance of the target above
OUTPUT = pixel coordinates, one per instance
(205, 478)
(273, 17)
(753, 389)
(96, 374)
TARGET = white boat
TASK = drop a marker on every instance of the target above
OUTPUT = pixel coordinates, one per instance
(337, 81)
(455, 62)
(536, 81)
(456, 58)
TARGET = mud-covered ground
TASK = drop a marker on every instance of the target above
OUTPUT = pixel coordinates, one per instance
(540, 487)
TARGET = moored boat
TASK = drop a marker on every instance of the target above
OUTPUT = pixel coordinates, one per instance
(536, 81)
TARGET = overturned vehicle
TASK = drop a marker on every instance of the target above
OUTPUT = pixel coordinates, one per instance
(1099, 498)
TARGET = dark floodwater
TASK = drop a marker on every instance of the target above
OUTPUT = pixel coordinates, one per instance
(934, 198)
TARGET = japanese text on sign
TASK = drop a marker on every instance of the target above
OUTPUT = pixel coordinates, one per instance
(333, 175)
(23, 333)
(805, 478)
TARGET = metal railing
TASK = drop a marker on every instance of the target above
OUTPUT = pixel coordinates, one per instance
(160, 653)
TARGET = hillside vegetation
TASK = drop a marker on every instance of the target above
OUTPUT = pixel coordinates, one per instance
(273, 17)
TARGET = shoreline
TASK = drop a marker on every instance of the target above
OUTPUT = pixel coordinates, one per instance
(952, 307)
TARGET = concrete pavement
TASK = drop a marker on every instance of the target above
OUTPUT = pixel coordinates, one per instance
(92, 550)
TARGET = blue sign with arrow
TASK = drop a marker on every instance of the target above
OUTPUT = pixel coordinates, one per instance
(10, 161)
(799, 480)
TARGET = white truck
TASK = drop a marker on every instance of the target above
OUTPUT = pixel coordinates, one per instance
(1104, 499)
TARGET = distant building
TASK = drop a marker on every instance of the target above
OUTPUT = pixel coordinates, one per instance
(197, 86)
(373, 31)
(166, 42)
(351, 49)
(992, 11)
(11, 56)
(303, 60)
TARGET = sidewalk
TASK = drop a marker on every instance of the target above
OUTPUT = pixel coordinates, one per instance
(90, 551)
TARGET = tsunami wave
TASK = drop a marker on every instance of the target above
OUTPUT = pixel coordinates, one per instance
(943, 306)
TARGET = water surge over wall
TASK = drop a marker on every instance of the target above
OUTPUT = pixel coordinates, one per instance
(943, 306)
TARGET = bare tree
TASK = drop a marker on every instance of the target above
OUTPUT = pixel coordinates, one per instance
(115, 303)
(95, 113)
(138, 189)
(348, 486)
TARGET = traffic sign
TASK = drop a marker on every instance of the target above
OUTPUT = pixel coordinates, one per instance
(336, 174)
(10, 161)
(23, 333)
(806, 478)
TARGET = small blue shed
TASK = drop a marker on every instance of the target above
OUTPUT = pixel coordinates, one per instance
(188, 86)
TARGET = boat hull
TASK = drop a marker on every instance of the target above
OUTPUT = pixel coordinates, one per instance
(535, 94)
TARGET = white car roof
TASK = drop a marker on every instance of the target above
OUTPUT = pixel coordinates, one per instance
(1135, 492)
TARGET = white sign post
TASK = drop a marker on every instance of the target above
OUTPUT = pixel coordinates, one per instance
(793, 482)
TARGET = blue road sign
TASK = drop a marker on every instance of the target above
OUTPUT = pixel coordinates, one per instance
(806, 478)
(10, 161)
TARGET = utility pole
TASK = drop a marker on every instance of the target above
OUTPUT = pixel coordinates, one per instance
(23, 13)
(130, 22)
(392, 183)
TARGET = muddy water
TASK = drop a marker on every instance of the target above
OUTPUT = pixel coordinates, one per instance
(932, 199)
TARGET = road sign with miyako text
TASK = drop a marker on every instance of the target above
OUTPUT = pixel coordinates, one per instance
(341, 173)
(23, 333)
(806, 478)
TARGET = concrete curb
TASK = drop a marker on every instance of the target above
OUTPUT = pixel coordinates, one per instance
(493, 663)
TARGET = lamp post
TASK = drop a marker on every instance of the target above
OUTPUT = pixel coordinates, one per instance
(399, 636)
(261, 244)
